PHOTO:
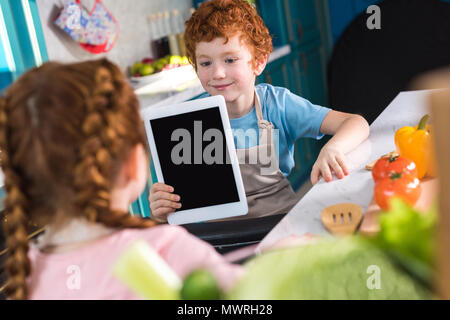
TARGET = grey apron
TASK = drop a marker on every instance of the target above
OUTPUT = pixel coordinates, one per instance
(268, 191)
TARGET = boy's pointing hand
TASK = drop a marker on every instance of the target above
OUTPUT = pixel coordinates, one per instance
(330, 160)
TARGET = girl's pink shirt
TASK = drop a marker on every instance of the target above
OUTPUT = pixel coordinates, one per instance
(52, 273)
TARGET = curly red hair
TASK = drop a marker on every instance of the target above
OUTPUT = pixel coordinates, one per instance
(225, 19)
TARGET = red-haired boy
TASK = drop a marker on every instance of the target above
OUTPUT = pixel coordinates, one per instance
(228, 44)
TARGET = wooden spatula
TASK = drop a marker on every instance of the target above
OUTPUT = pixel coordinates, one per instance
(342, 218)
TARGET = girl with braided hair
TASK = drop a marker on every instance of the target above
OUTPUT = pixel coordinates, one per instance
(73, 158)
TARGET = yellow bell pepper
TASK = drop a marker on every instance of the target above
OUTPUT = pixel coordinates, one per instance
(416, 144)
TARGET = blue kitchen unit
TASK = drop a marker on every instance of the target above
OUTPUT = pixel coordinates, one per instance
(304, 27)
(22, 44)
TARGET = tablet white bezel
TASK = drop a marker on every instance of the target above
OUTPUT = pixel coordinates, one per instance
(204, 213)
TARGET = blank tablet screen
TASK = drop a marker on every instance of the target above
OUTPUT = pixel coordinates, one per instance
(194, 159)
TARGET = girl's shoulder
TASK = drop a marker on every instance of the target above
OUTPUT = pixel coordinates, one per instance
(94, 261)
(158, 235)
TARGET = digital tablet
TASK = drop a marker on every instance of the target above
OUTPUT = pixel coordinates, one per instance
(193, 151)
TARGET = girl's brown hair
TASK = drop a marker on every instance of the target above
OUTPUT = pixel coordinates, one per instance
(65, 129)
(224, 19)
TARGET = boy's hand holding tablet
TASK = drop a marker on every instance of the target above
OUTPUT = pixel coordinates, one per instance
(163, 201)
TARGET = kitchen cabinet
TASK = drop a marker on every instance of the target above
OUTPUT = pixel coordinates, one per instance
(303, 26)
(290, 21)
(342, 14)
(276, 73)
(272, 13)
(302, 21)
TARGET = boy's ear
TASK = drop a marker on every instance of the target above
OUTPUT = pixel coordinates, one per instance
(260, 64)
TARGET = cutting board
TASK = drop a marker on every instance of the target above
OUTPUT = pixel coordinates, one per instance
(369, 225)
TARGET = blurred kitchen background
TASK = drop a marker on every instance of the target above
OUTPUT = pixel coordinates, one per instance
(30, 37)
(133, 18)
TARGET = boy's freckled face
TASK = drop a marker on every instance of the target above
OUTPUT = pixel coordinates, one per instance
(225, 68)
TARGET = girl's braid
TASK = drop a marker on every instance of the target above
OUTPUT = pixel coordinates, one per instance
(106, 128)
(63, 137)
(17, 265)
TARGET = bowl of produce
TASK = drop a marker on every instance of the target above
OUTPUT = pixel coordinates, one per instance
(149, 70)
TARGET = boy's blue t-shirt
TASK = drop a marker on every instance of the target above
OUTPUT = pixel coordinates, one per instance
(293, 116)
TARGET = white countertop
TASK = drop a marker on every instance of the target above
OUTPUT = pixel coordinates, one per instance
(406, 109)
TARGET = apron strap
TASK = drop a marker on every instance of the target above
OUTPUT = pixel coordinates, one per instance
(265, 127)
(258, 107)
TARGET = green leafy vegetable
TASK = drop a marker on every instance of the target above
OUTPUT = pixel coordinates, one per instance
(347, 268)
(409, 238)
(408, 232)
(396, 264)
